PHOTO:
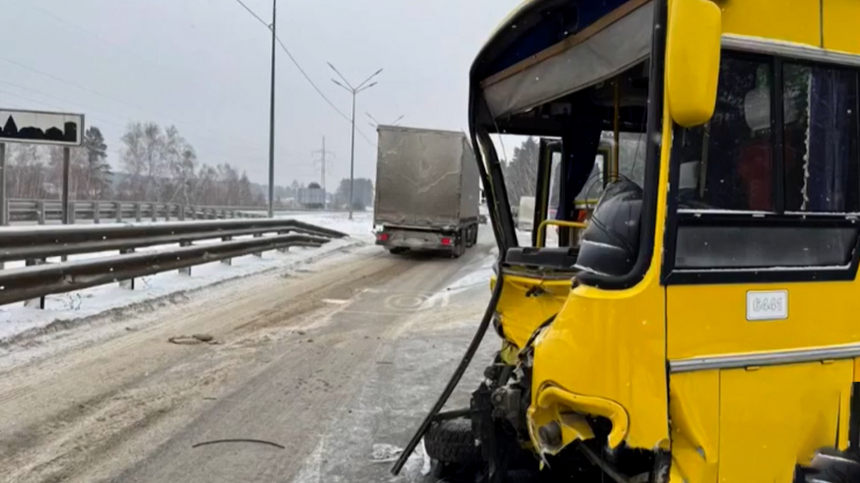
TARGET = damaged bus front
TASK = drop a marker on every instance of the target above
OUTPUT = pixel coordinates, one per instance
(703, 328)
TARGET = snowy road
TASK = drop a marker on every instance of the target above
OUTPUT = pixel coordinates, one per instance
(335, 363)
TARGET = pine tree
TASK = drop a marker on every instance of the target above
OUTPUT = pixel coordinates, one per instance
(97, 173)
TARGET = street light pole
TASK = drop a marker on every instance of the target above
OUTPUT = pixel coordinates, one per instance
(272, 117)
(376, 123)
(354, 91)
(352, 155)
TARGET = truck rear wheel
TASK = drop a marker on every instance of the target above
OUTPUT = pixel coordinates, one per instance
(460, 244)
(397, 250)
(471, 236)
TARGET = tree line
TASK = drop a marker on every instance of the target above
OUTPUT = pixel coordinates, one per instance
(156, 165)
(520, 171)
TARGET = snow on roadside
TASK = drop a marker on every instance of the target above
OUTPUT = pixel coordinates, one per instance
(360, 227)
(16, 319)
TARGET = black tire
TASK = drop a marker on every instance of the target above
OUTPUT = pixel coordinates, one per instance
(397, 250)
(472, 236)
(452, 441)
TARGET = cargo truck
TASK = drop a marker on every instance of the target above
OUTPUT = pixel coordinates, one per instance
(312, 197)
(427, 191)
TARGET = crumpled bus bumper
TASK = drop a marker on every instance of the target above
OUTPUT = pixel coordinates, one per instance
(557, 418)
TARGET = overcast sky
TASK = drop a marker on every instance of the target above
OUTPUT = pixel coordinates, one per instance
(203, 65)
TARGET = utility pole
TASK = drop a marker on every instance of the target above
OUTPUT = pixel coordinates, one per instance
(272, 116)
(352, 155)
(322, 152)
(354, 91)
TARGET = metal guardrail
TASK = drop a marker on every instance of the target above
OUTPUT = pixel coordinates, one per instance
(35, 245)
(43, 211)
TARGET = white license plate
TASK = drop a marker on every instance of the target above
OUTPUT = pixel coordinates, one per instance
(767, 305)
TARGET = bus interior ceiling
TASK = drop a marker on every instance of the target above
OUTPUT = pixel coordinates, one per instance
(594, 106)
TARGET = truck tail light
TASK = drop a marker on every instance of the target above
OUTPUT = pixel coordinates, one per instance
(446, 241)
(382, 236)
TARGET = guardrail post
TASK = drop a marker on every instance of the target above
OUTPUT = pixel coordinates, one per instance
(181, 209)
(38, 303)
(223, 214)
(40, 212)
(137, 211)
(118, 208)
(128, 283)
(227, 261)
(96, 213)
(72, 207)
(154, 211)
(258, 254)
(185, 270)
(284, 249)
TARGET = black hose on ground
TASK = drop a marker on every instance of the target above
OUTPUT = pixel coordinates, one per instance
(455, 378)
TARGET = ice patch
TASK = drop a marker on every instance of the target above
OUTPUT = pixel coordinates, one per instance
(311, 472)
(417, 466)
(383, 453)
(335, 301)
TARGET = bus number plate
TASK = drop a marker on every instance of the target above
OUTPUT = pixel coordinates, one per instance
(772, 305)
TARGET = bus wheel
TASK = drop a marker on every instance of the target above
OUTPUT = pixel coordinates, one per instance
(452, 441)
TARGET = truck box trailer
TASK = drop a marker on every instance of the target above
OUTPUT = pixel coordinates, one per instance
(427, 190)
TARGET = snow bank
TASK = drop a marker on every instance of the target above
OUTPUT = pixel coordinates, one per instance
(359, 228)
(16, 319)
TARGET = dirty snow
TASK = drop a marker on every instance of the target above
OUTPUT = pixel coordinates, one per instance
(16, 319)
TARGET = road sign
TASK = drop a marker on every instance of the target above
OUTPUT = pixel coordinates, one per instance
(36, 127)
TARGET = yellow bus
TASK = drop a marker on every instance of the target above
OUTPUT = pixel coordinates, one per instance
(706, 328)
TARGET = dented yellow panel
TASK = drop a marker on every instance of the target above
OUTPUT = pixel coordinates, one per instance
(527, 302)
(610, 344)
(787, 20)
(774, 417)
(840, 25)
(694, 412)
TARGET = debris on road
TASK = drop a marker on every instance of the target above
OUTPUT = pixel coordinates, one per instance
(192, 339)
(385, 453)
(239, 440)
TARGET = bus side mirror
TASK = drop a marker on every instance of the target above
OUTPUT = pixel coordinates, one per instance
(693, 60)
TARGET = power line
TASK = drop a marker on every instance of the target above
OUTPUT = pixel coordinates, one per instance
(311, 82)
(86, 32)
(303, 72)
(211, 135)
(240, 2)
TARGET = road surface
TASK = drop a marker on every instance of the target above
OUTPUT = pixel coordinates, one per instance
(335, 364)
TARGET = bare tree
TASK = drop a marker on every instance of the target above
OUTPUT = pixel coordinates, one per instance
(27, 173)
